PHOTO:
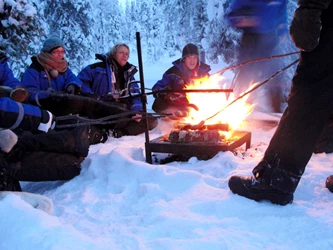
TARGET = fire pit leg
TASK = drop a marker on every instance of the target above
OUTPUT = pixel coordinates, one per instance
(148, 153)
(248, 142)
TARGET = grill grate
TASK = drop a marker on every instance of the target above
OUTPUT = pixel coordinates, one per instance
(201, 150)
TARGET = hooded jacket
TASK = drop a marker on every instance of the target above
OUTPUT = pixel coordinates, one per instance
(176, 76)
(35, 78)
(97, 78)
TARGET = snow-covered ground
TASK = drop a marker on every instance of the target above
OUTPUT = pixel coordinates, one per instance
(121, 202)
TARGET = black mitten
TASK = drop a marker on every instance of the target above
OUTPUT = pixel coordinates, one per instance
(72, 89)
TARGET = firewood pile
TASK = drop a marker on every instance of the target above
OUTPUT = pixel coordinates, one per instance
(197, 136)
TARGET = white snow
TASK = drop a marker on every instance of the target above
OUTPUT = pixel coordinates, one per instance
(121, 202)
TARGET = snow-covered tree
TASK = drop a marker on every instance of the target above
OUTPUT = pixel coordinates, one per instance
(71, 21)
(20, 29)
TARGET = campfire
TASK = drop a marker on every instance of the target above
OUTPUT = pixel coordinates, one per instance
(210, 128)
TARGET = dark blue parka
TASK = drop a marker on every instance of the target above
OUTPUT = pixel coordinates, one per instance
(270, 15)
(97, 78)
(176, 76)
(6, 75)
(18, 115)
(35, 78)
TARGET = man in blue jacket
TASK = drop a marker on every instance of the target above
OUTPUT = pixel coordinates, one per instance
(264, 27)
(181, 74)
(112, 81)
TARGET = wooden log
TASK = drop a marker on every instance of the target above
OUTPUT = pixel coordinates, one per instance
(188, 136)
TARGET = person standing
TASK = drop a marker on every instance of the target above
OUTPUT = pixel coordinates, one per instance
(310, 106)
(264, 27)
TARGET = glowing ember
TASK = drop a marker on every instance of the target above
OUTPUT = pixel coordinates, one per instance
(211, 104)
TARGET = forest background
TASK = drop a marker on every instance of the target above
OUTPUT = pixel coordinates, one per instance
(88, 27)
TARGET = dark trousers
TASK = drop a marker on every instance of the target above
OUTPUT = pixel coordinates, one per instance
(48, 157)
(310, 107)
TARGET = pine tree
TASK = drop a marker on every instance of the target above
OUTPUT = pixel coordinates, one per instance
(70, 20)
(20, 30)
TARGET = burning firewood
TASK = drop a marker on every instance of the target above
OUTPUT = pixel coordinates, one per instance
(206, 136)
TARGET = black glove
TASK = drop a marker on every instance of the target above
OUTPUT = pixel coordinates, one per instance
(177, 85)
(19, 94)
(72, 89)
(305, 28)
(107, 98)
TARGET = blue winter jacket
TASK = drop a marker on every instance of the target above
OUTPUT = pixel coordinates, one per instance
(176, 77)
(6, 75)
(35, 78)
(18, 115)
(270, 14)
(97, 78)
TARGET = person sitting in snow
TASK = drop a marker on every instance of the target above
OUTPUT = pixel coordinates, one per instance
(35, 152)
(112, 81)
(49, 71)
(29, 148)
(42, 157)
(10, 85)
(181, 74)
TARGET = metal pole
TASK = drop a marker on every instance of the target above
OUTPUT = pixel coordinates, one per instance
(143, 96)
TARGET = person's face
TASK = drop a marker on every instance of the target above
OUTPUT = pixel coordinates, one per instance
(191, 62)
(122, 55)
(58, 53)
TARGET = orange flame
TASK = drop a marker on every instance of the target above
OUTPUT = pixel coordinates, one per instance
(211, 104)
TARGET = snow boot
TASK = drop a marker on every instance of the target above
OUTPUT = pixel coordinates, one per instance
(7, 182)
(329, 183)
(258, 189)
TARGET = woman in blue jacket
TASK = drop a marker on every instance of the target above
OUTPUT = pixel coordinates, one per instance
(49, 71)
(111, 80)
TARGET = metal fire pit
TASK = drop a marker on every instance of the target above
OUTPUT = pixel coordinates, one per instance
(199, 149)
(202, 150)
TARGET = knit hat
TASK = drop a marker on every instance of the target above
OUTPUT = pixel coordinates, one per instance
(190, 49)
(52, 43)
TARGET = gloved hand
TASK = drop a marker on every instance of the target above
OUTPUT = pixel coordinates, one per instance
(177, 85)
(305, 28)
(107, 98)
(19, 94)
(47, 121)
(72, 89)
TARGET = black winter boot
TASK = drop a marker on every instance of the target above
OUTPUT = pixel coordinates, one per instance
(7, 181)
(258, 189)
